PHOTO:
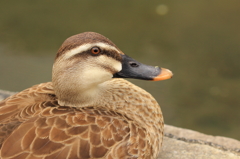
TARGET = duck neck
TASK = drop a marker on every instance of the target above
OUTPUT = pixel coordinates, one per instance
(81, 94)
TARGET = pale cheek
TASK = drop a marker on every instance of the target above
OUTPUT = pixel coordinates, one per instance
(95, 75)
(118, 66)
(110, 63)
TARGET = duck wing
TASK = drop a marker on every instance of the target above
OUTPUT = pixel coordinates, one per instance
(34, 126)
(64, 132)
(11, 109)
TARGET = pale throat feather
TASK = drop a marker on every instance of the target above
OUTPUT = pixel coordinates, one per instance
(79, 84)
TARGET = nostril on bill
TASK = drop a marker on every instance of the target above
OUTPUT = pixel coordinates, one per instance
(133, 64)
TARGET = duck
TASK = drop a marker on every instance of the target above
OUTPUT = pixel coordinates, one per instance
(88, 111)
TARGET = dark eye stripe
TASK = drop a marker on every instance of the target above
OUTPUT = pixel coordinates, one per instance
(113, 54)
(110, 53)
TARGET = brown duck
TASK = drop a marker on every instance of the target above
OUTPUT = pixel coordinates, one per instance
(88, 110)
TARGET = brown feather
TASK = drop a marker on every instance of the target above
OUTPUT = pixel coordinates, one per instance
(48, 129)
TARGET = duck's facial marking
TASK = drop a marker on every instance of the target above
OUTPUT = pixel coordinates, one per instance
(108, 63)
(94, 49)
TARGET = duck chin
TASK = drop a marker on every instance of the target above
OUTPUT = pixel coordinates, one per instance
(81, 88)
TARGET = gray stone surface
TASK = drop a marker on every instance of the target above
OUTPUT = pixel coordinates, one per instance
(178, 149)
(179, 143)
(4, 94)
(225, 142)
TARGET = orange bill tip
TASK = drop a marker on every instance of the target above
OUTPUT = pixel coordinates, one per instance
(164, 74)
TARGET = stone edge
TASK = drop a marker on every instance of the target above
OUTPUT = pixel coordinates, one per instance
(236, 151)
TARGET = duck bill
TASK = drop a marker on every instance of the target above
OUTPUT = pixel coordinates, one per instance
(134, 69)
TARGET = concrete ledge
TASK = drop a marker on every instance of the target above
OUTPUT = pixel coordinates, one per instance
(4, 94)
(179, 143)
(182, 143)
(225, 142)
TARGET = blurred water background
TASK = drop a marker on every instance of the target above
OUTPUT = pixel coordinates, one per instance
(198, 40)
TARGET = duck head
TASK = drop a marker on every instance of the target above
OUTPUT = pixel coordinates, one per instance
(86, 61)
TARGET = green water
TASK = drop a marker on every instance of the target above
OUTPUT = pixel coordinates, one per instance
(198, 40)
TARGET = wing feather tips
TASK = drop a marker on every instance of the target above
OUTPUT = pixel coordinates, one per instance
(45, 147)
(99, 151)
(84, 149)
(13, 142)
(76, 135)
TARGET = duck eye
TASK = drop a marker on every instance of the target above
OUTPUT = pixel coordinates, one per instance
(95, 50)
